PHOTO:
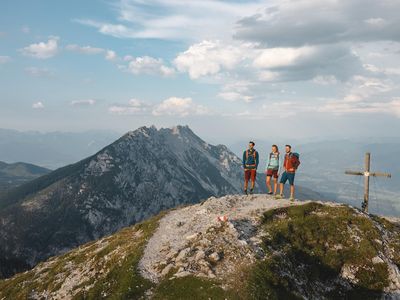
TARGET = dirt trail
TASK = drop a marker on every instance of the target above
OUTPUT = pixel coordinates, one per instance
(183, 237)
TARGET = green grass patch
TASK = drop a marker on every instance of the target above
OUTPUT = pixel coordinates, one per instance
(191, 287)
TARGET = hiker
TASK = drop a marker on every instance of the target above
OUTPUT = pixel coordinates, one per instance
(290, 165)
(272, 169)
(250, 164)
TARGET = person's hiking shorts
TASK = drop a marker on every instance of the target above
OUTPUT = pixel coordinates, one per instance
(272, 173)
(250, 174)
(287, 176)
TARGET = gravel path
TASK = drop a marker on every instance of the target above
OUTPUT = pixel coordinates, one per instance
(181, 225)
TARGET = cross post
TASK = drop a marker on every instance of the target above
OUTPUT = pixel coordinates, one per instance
(367, 174)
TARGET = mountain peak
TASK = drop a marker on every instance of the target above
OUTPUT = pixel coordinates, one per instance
(148, 131)
(135, 177)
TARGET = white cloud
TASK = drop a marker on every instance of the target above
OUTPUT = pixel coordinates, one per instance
(283, 57)
(345, 107)
(111, 55)
(209, 58)
(115, 30)
(89, 50)
(128, 58)
(177, 19)
(134, 106)
(233, 96)
(42, 50)
(150, 66)
(173, 106)
(181, 107)
(38, 72)
(4, 59)
(237, 90)
(268, 76)
(387, 71)
(365, 95)
(38, 105)
(84, 49)
(85, 102)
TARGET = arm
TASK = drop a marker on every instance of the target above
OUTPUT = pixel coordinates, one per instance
(244, 159)
(257, 160)
(284, 163)
(279, 164)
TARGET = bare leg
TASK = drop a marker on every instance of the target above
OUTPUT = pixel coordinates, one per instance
(275, 185)
(269, 184)
(292, 191)
(281, 189)
(252, 184)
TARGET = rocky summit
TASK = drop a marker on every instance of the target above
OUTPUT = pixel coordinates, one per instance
(142, 173)
(232, 247)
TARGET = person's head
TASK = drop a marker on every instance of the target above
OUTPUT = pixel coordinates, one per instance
(275, 148)
(288, 148)
(251, 145)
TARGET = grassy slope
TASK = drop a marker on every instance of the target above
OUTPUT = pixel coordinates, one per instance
(108, 268)
(313, 242)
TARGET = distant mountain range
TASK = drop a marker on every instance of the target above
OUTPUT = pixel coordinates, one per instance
(52, 149)
(140, 174)
(14, 174)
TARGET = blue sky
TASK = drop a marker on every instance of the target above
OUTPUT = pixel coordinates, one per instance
(229, 69)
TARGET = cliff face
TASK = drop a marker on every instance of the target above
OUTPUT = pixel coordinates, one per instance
(266, 249)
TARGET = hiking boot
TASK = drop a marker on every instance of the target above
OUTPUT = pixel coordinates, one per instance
(245, 192)
(279, 196)
(291, 199)
(251, 191)
(269, 193)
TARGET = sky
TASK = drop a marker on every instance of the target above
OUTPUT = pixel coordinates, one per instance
(228, 69)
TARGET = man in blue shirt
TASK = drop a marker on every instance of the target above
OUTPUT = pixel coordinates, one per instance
(250, 164)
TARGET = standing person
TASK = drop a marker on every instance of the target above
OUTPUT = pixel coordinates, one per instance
(250, 164)
(290, 165)
(272, 169)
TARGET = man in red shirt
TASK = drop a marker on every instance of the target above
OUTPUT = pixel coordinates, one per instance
(290, 165)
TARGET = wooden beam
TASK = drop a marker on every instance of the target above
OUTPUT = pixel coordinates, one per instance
(367, 166)
(367, 174)
(379, 174)
(354, 173)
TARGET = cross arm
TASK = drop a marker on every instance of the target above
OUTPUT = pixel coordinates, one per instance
(379, 174)
(354, 173)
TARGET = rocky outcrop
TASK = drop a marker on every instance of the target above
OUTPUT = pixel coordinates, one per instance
(193, 240)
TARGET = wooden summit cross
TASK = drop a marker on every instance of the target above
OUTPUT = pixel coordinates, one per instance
(367, 174)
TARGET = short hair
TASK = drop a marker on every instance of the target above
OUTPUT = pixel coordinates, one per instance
(290, 147)
(276, 147)
(251, 142)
